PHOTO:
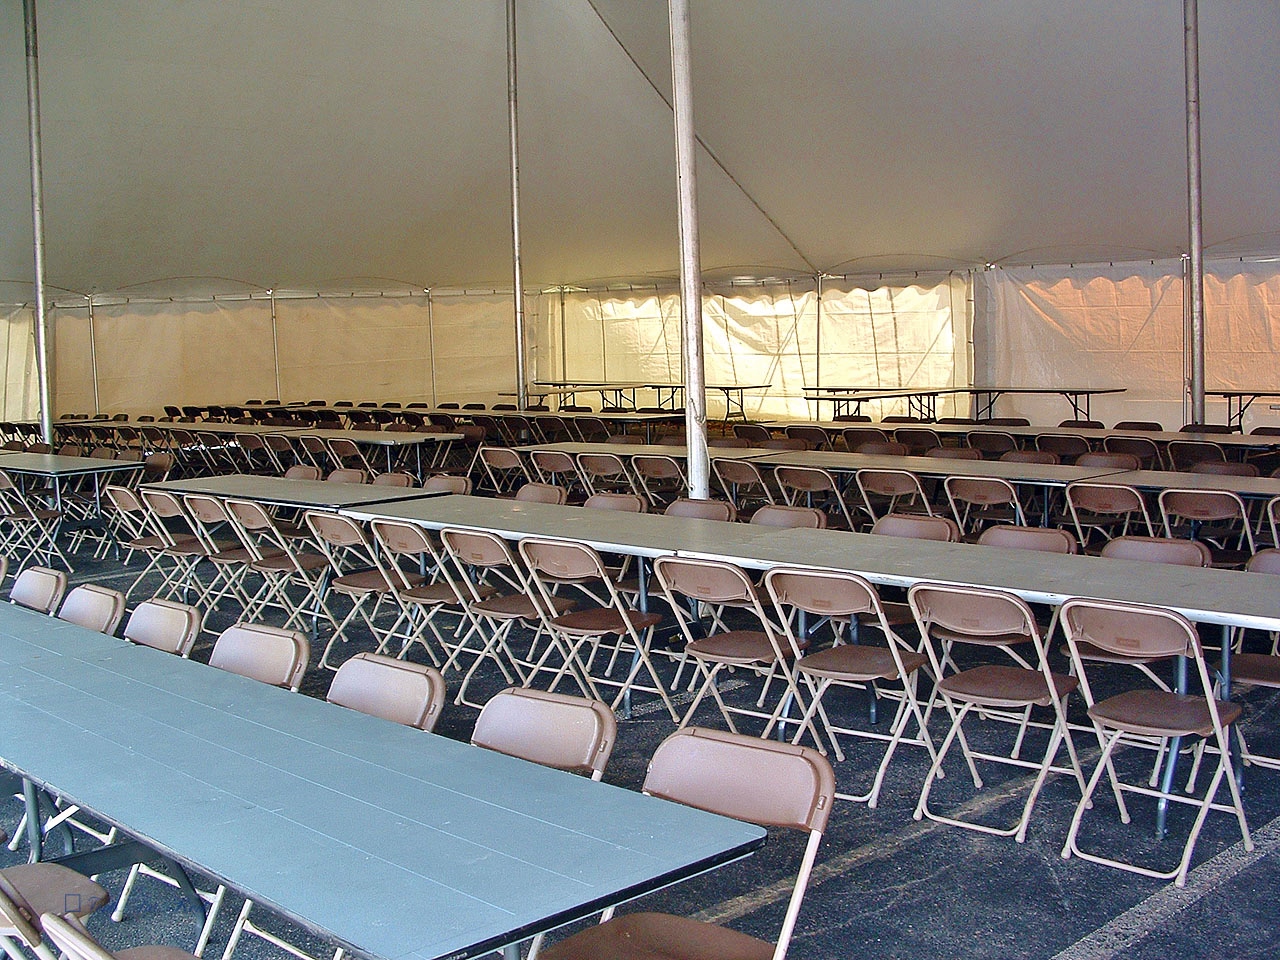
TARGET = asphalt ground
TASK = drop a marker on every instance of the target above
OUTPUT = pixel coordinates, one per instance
(885, 885)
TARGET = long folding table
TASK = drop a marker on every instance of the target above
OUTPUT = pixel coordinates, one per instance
(282, 492)
(396, 843)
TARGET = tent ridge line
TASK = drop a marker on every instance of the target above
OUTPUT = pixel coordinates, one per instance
(702, 143)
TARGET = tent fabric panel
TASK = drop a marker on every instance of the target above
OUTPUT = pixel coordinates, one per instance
(475, 346)
(355, 348)
(21, 399)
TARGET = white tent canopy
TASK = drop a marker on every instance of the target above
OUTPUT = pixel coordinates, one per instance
(288, 143)
(196, 147)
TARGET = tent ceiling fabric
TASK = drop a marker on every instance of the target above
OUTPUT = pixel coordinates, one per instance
(302, 143)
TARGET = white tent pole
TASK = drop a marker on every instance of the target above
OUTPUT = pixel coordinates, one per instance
(93, 358)
(695, 381)
(44, 371)
(275, 342)
(517, 269)
(1191, 30)
(431, 339)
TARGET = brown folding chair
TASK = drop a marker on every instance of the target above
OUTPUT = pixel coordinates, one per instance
(411, 694)
(1217, 518)
(39, 589)
(354, 572)
(1148, 716)
(841, 597)
(33, 897)
(271, 655)
(661, 478)
(75, 943)
(782, 515)
(743, 484)
(1106, 509)
(948, 615)
(690, 585)
(164, 625)
(610, 626)
(773, 784)
(447, 483)
(815, 487)
(553, 729)
(977, 502)
(891, 491)
(94, 607)
(542, 493)
(502, 468)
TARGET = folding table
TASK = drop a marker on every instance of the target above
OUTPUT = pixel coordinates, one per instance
(396, 843)
(281, 492)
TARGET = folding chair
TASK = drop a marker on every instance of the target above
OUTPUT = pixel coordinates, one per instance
(662, 479)
(948, 615)
(503, 469)
(799, 593)
(27, 529)
(559, 469)
(979, 501)
(583, 633)
(280, 559)
(94, 608)
(891, 491)
(346, 475)
(423, 592)
(447, 483)
(32, 895)
(553, 729)
(606, 473)
(393, 479)
(773, 784)
(164, 625)
(542, 493)
(689, 584)
(1147, 717)
(271, 655)
(814, 487)
(497, 598)
(355, 572)
(169, 521)
(1217, 518)
(407, 693)
(743, 484)
(39, 589)
(229, 559)
(1106, 509)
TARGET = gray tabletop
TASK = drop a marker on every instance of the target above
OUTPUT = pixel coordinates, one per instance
(627, 450)
(319, 494)
(1047, 474)
(382, 438)
(53, 465)
(1202, 594)
(397, 843)
(1250, 488)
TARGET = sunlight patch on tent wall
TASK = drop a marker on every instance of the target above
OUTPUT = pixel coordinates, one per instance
(890, 336)
(21, 399)
(1123, 326)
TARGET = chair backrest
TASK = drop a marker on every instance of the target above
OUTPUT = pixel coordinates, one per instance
(913, 527)
(883, 448)
(16, 916)
(345, 475)
(781, 515)
(979, 612)
(1042, 539)
(1184, 454)
(701, 509)
(302, 471)
(553, 729)
(393, 479)
(764, 781)
(1090, 424)
(918, 439)
(854, 437)
(542, 493)
(752, 432)
(1030, 456)
(164, 625)
(444, 483)
(1151, 426)
(1265, 561)
(1110, 458)
(94, 608)
(1225, 468)
(954, 453)
(1067, 446)
(409, 693)
(1187, 553)
(272, 655)
(38, 588)
(1131, 630)
(618, 502)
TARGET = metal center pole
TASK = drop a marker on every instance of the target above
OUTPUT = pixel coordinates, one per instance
(695, 412)
(44, 367)
(517, 269)
(1191, 30)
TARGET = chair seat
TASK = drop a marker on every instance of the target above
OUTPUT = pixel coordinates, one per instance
(659, 936)
(988, 640)
(734, 647)
(996, 685)
(602, 620)
(1256, 669)
(855, 662)
(284, 563)
(361, 584)
(422, 592)
(516, 606)
(1157, 713)
(1089, 652)
(48, 888)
